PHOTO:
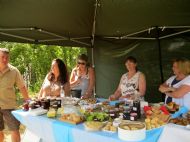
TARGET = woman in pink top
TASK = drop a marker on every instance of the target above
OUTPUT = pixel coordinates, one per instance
(55, 79)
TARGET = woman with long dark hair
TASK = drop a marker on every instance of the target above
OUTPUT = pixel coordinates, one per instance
(55, 79)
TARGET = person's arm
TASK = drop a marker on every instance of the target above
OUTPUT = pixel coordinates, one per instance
(41, 92)
(116, 95)
(142, 84)
(164, 88)
(21, 85)
(74, 82)
(179, 92)
(90, 88)
(24, 93)
(67, 89)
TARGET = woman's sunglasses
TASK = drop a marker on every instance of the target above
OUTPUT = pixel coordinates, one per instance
(81, 63)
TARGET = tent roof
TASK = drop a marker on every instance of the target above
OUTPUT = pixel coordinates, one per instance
(77, 22)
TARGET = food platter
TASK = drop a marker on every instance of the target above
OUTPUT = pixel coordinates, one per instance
(94, 125)
(109, 128)
(70, 101)
(71, 118)
(186, 115)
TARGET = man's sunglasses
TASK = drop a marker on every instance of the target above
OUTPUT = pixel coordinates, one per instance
(81, 63)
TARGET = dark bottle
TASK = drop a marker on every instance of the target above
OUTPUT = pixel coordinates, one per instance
(45, 103)
(137, 108)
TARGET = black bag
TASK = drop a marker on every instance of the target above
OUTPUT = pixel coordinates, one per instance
(76, 93)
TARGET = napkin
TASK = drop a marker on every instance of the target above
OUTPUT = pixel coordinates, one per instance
(181, 111)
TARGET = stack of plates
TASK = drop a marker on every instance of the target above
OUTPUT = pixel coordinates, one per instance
(37, 111)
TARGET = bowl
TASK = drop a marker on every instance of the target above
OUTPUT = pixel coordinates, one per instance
(132, 131)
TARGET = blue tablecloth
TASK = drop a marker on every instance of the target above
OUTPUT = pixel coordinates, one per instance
(53, 130)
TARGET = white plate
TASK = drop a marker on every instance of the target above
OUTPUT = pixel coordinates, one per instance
(37, 111)
(109, 131)
(188, 127)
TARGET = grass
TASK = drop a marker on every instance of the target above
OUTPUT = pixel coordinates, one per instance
(7, 133)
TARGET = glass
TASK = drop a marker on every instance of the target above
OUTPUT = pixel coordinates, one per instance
(81, 63)
(62, 92)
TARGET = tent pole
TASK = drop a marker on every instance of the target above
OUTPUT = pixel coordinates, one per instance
(141, 38)
(174, 34)
(174, 27)
(94, 24)
(53, 34)
(160, 59)
(16, 36)
(135, 33)
(93, 36)
(16, 29)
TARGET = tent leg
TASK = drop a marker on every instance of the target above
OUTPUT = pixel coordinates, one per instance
(160, 59)
(93, 36)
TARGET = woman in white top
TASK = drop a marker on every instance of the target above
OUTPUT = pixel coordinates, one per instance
(55, 79)
(83, 77)
(177, 87)
(132, 83)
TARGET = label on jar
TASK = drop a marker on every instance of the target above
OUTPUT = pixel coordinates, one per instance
(135, 108)
(132, 118)
(112, 114)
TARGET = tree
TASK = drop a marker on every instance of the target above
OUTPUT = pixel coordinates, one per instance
(34, 60)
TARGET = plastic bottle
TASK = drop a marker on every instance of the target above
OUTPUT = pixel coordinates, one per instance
(62, 92)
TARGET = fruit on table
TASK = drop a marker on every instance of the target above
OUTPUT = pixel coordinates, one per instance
(25, 107)
(172, 107)
(51, 113)
(109, 127)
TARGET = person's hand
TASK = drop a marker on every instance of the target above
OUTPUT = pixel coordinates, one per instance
(171, 89)
(79, 73)
(164, 89)
(112, 98)
(78, 80)
(125, 97)
(84, 97)
(87, 95)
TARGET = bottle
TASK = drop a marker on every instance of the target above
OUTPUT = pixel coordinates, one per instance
(62, 92)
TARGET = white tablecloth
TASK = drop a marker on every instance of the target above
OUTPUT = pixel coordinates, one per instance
(175, 133)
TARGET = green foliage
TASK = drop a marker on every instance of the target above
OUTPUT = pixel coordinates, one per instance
(96, 116)
(34, 60)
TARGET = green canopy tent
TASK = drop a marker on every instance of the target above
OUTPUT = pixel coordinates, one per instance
(152, 31)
